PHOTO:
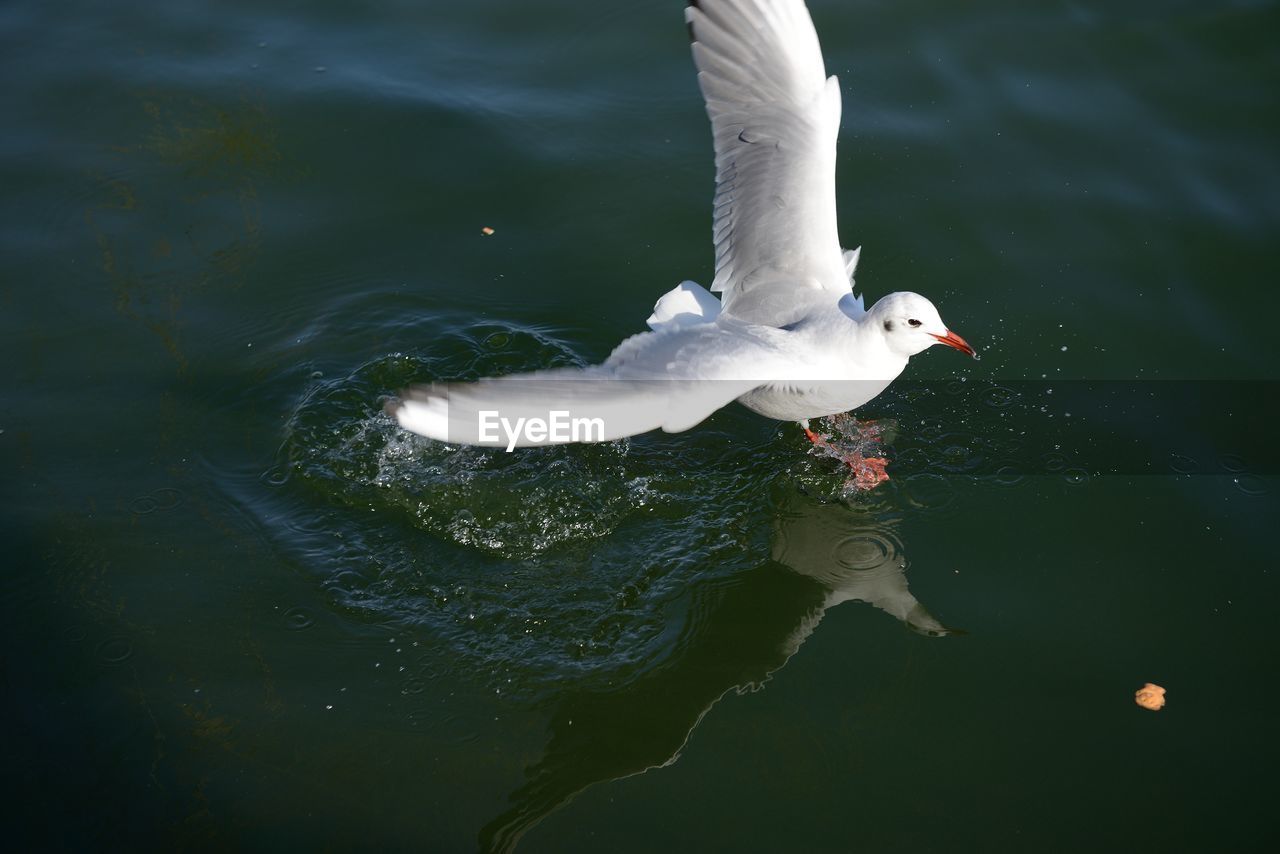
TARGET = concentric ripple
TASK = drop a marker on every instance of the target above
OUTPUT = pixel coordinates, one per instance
(865, 551)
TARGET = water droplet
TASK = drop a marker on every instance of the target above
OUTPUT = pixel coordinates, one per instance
(1076, 476)
(1250, 484)
(999, 397)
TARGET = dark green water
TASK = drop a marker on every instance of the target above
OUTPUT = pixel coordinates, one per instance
(242, 610)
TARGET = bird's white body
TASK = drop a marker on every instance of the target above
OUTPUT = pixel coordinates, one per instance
(828, 362)
(787, 337)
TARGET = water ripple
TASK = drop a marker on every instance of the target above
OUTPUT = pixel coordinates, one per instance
(115, 651)
(1008, 474)
(297, 619)
(1249, 484)
(929, 491)
(865, 551)
(1076, 476)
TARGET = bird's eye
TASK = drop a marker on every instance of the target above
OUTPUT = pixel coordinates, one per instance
(913, 323)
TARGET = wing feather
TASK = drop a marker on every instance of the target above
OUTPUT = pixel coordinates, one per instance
(774, 116)
(670, 379)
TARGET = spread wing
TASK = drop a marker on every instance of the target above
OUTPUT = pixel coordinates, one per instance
(670, 379)
(775, 116)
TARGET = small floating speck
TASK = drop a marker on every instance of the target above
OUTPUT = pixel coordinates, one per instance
(486, 231)
(320, 69)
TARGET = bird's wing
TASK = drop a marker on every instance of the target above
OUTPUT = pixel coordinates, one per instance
(775, 116)
(671, 379)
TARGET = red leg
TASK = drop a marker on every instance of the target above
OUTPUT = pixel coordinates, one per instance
(867, 472)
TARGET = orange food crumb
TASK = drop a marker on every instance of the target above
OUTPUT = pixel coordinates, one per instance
(1150, 696)
(486, 231)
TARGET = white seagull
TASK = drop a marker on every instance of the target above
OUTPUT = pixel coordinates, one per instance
(787, 338)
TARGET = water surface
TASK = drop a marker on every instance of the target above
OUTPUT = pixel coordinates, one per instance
(243, 610)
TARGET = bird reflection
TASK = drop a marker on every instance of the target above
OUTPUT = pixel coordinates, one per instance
(737, 632)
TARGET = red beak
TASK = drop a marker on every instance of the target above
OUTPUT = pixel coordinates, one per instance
(953, 340)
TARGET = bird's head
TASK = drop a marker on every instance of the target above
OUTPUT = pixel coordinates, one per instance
(910, 324)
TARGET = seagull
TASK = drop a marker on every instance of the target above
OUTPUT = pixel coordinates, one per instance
(787, 337)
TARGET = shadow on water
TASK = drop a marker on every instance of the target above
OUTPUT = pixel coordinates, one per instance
(737, 633)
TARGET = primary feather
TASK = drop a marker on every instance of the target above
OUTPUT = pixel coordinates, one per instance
(775, 116)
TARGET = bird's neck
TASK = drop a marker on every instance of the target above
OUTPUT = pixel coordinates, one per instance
(870, 352)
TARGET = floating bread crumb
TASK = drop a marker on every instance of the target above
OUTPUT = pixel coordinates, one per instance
(1150, 696)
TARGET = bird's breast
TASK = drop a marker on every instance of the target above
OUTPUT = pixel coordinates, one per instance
(798, 401)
